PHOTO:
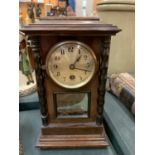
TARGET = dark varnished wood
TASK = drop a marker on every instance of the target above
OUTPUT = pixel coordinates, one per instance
(71, 141)
(40, 80)
(71, 132)
(75, 26)
(76, 136)
(103, 67)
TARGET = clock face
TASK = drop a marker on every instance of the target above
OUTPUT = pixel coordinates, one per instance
(71, 64)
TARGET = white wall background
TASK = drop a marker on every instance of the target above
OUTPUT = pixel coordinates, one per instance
(84, 7)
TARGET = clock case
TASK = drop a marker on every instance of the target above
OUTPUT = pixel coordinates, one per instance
(71, 132)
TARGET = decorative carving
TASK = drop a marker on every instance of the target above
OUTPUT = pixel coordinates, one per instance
(38, 10)
(30, 11)
(40, 80)
(103, 67)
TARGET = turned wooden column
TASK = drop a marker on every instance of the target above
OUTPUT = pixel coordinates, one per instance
(40, 79)
(103, 67)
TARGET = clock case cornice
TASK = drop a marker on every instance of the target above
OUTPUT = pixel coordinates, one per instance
(89, 26)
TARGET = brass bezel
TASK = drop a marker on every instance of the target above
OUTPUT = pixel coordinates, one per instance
(77, 43)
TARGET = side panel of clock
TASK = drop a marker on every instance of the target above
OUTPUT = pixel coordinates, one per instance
(46, 44)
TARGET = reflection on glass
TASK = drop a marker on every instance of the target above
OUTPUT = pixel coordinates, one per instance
(72, 105)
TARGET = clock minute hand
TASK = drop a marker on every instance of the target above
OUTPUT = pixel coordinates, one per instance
(82, 69)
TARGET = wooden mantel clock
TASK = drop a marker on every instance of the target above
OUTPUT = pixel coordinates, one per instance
(71, 61)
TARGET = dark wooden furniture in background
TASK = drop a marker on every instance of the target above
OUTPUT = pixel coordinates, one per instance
(71, 132)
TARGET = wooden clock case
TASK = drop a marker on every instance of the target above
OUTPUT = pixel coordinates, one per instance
(71, 132)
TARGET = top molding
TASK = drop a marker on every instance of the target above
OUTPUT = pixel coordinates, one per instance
(69, 26)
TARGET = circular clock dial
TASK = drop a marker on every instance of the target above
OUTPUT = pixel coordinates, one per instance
(71, 64)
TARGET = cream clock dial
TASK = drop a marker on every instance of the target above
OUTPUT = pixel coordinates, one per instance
(71, 64)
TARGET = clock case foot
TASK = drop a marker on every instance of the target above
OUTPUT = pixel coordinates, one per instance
(72, 137)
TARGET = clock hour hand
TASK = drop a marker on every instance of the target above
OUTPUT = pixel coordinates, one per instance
(78, 59)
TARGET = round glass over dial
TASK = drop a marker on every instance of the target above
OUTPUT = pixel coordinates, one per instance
(71, 64)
